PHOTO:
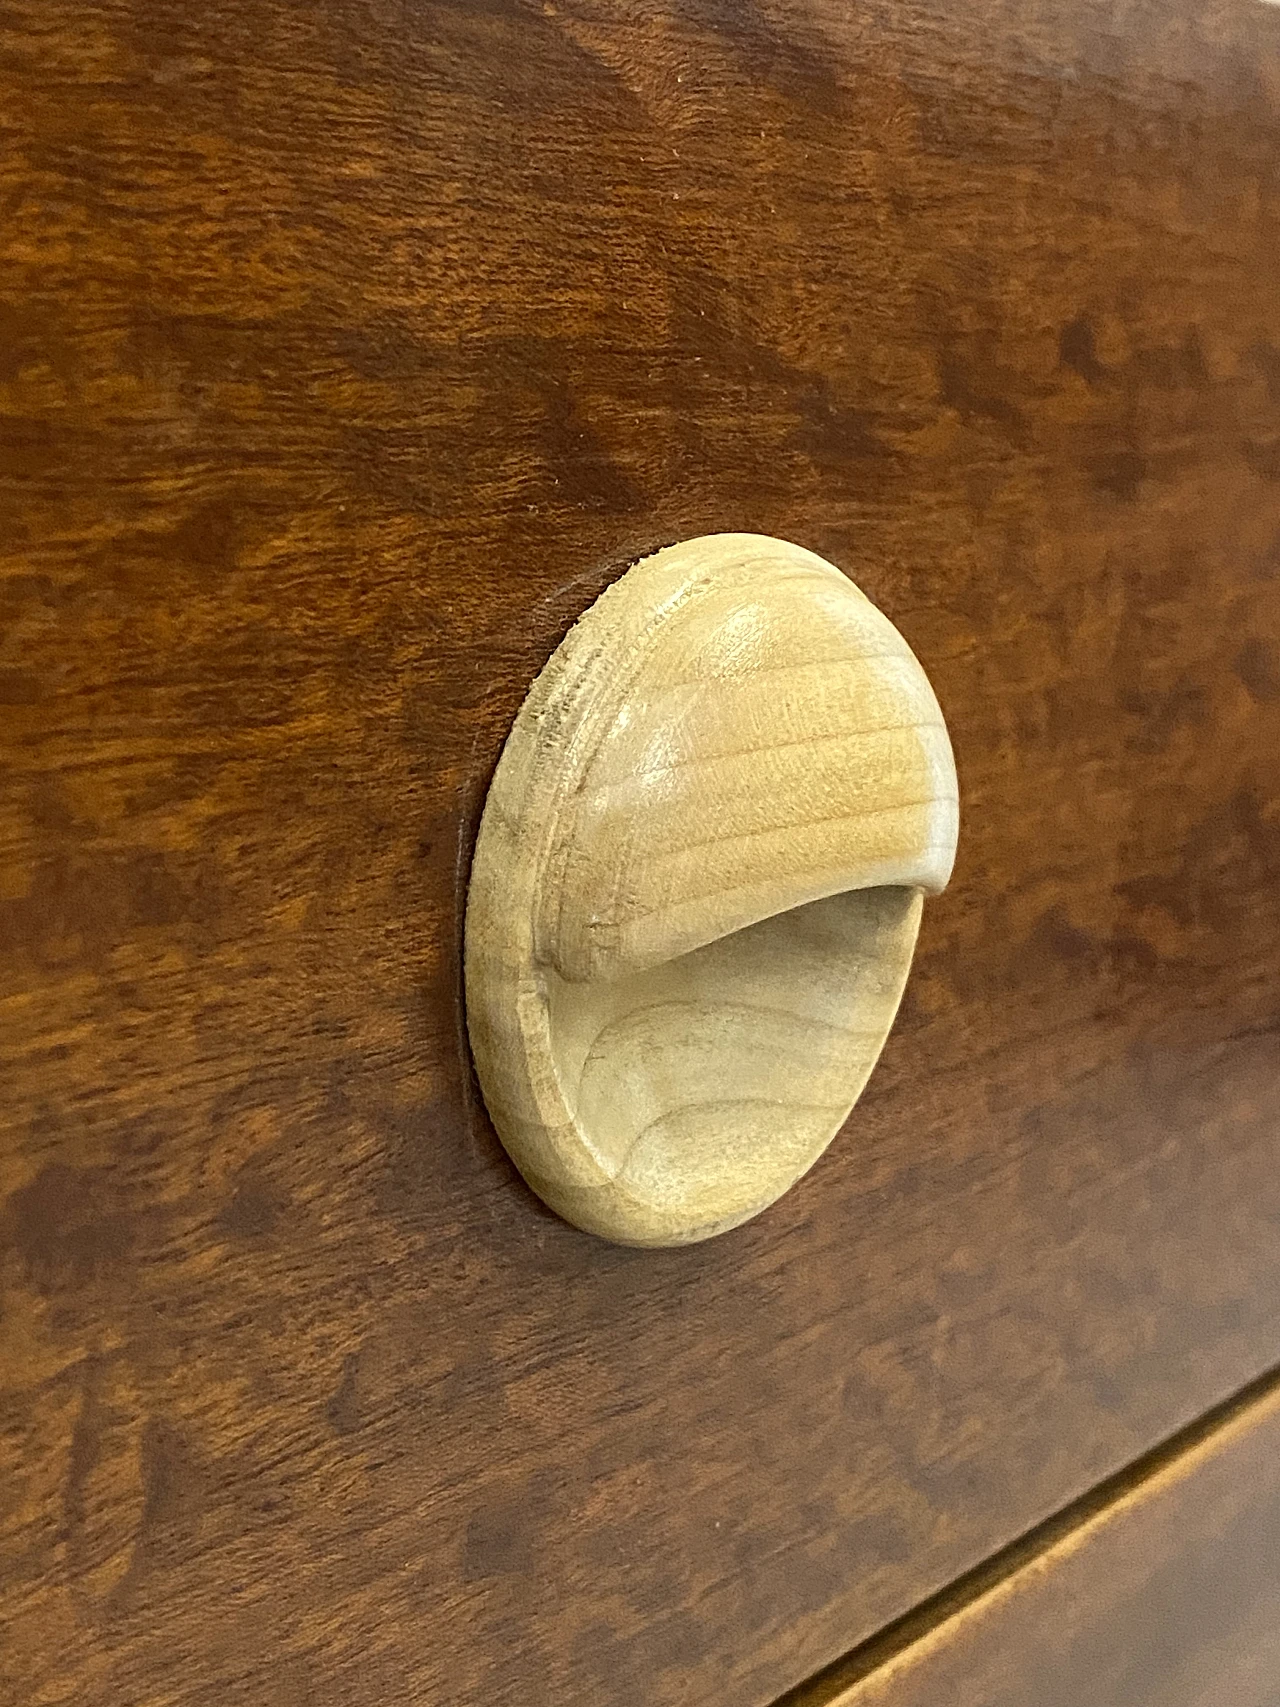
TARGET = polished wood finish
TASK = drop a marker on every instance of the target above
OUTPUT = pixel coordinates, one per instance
(349, 350)
(1166, 1597)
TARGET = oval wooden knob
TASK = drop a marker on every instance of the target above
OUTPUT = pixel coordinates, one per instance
(697, 886)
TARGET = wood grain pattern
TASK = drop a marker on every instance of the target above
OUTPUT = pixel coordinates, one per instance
(697, 886)
(1167, 1597)
(332, 335)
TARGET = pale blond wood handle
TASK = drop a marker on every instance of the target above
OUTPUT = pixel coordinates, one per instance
(697, 885)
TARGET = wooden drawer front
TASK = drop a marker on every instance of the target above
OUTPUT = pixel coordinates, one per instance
(1167, 1596)
(349, 350)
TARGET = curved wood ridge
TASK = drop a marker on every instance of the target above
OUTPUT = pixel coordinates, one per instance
(697, 886)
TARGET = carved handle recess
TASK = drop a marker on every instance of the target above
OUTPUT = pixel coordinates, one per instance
(697, 886)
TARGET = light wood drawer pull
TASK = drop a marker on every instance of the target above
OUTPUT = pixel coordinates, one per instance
(697, 886)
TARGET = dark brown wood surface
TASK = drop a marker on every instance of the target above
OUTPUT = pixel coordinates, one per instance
(347, 349)
(1168, 1597)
